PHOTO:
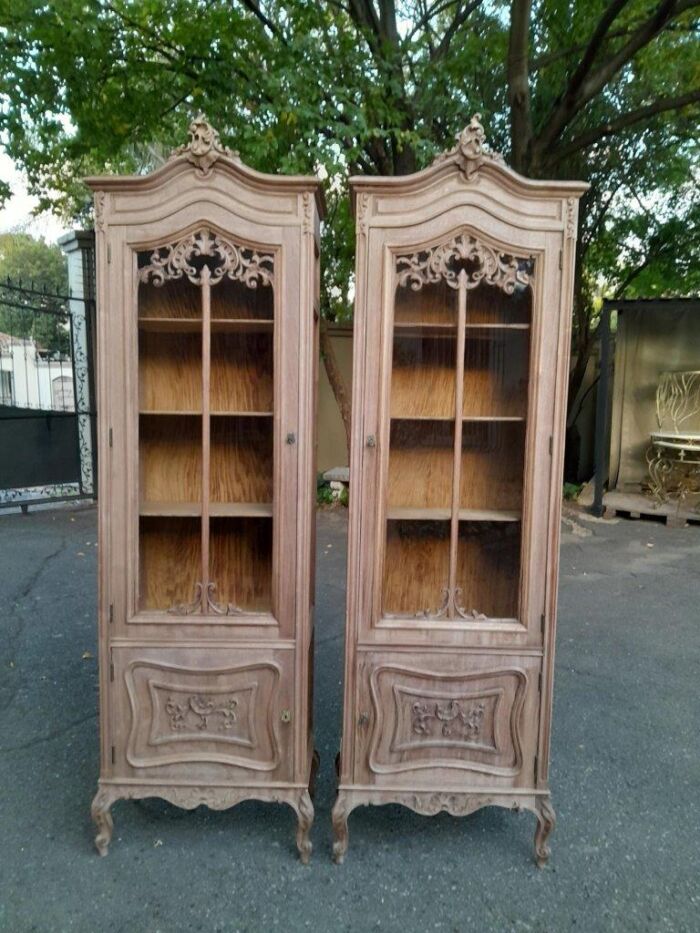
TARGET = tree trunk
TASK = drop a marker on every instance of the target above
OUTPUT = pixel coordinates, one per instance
(335, 377)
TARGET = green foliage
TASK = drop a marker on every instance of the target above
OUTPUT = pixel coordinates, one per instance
(36, 264)
(324, 493)
(572, 490)
(372, 86)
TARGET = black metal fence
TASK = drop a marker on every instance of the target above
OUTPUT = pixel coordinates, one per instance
(47, 411)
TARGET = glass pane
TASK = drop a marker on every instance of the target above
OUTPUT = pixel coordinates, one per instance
(177, 299)
(488, 304)
(240, 555)
(416, 567)
(488, 569)
(423, 375)
(241, 370)
(421, 457)
(435, 304)
(496, 366)
(492, 465)
(241, 461)
(241, 447)
(170, 464)
(170, 442)
(170, 371)
(236, 301)
(170, 561)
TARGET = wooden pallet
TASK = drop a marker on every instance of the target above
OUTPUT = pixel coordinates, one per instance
(636, 505)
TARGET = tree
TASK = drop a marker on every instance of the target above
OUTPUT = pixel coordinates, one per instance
(25, 260)
(602, 90)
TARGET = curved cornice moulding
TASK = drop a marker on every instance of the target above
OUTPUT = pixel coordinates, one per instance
(471, 157)
(205, 154)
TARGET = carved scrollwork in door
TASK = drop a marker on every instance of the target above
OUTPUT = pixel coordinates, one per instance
(482, 263)
(223, 257)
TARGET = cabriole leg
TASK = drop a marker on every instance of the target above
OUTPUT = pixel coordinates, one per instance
(102, 819)
(340, 829)
(305, 818)
(546, 819)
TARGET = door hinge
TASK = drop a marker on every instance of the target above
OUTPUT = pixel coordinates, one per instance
(561, 258)
(110, 437)
(542, 621)
(113, 755)
(551, 444)
(111, 613)
(109, 252)
(539, 683)
(111, 666)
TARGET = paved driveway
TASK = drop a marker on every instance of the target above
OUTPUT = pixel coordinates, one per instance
(625, 773)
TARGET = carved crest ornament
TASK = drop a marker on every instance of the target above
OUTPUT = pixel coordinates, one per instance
(204, 147)
(471, 149)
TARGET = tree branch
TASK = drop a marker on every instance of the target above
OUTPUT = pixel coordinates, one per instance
(518, 77)
(610, 14)
(254, 7)
(613, 127)
(583, 89)
(460, 17)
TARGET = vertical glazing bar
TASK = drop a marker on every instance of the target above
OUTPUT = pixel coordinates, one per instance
(206, 379)
(457, 462)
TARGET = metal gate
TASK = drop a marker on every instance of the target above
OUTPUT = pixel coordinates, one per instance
(47, 412)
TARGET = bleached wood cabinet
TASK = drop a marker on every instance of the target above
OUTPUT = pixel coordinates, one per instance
(207, 365)
(462, 327)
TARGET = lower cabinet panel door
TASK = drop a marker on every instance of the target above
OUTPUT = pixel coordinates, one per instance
(467, 719)
(219, 714)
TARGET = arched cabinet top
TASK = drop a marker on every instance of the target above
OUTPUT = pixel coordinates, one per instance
(468, 174)
(214, 166)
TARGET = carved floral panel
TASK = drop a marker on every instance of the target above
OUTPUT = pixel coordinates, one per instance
(183, 714)
(423, 719)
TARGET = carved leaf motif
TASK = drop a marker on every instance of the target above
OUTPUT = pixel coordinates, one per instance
(463, 720)
(429, 804)
(204, 147)
(239, 263)
(480, 262)
(201, 710)
(471, 149)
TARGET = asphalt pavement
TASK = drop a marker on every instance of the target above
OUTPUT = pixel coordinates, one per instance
(625, 770)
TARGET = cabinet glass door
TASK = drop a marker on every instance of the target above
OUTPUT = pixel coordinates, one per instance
(206, 365)
(458, 409)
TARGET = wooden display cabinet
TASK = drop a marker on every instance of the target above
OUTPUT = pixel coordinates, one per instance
(207, 350)
(462, 328)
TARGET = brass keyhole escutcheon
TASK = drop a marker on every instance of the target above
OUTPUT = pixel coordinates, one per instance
(286, 715)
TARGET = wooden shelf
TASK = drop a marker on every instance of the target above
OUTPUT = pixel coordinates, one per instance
(241, 414)
(419, 330)
(171, 324)
(216, 509)
(465, 515)
(168, 413)
(423, 329)
(240, 509)
(174, 509)
(242, 325)
(477, 326)
(451, 418)
(193, 324)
